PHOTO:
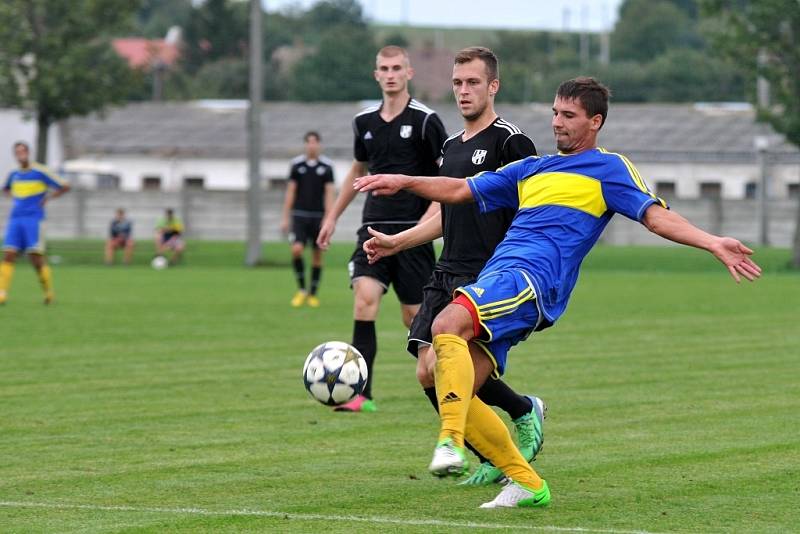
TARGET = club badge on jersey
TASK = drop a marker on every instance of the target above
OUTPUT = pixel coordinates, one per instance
(405, 131)
(478, 156)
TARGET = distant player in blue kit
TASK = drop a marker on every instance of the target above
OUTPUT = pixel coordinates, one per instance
(31, 186)
(563, 203)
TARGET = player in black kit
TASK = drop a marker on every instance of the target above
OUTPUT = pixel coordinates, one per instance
(309, 194)
(486, 143)
(399, 135)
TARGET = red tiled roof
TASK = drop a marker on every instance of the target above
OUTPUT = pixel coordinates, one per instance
(142, 53)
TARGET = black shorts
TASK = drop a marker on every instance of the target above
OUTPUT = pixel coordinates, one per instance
(437, 294)
(305, 229)
(407, 271)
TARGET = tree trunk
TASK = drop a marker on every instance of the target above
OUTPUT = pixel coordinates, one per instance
(796, 248)
(43, 128)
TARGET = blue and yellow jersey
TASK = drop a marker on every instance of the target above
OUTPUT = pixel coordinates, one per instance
(563, 204)
(28, 188)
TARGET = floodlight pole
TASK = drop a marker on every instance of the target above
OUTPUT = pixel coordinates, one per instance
(254, 254)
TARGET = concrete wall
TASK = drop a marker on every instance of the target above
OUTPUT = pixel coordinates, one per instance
(222, 215)
(217, 174)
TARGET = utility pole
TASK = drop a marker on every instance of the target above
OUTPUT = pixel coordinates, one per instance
(761, 144)
(254, 254)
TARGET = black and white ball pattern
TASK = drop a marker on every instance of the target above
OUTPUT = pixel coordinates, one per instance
(334, 373)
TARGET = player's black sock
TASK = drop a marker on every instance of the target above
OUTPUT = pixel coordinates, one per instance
(431, 394)
(365, 340)
(299, 272)
(316, 274)
(497, 393)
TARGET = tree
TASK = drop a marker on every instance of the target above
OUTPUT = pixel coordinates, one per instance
(647, 28)
(742, 30)
(341, 69)
(57, 61)
(216, 29)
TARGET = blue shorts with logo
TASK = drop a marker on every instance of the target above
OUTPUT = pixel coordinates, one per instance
(507, 311)
(24, 234)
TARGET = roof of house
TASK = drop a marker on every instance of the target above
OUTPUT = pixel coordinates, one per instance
(644, 132)
(144, 53)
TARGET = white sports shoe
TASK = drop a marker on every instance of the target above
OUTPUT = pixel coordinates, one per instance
(448, 459)
(515, 496)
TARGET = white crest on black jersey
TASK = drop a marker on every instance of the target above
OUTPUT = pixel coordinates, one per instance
(478, 156)
(405, 131)
(301, 169)
(367, 136)
(320, 170)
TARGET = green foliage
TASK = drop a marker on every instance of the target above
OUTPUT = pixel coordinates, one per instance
(340, 69)
(171, 401)
(648, 28)
(155, 17)
(743, 29)
(216, 29)
(56, 59)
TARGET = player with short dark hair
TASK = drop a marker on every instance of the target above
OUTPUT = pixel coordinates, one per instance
(398, 135)
(563, 202)
(309, 194)
(486, 143)
(29, 186)
(120, 236)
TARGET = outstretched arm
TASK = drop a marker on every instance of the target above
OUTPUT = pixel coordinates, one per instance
(731, 252)
(438, 188)
(382, 245)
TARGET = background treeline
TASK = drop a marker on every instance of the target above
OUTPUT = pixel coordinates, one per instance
(658, 51)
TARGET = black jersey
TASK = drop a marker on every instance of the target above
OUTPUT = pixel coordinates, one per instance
(409, 144)
(310, 177)
(470, 237)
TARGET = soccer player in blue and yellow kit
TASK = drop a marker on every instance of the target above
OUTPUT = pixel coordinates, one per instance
(563, 202)
(31, 186)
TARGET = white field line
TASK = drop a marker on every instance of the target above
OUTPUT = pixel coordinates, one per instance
(315, 517)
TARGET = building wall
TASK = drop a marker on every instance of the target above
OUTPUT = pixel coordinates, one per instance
(232, 174)
(733, 178)
(218, 174)
(16, 126)
(222, 215)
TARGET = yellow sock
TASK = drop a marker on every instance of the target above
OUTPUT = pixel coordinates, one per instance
(487, 433)
(455, 377)
(6, 274)
(46, 279)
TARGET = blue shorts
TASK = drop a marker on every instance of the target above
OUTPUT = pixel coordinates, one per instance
(507, 310)
(24, 234)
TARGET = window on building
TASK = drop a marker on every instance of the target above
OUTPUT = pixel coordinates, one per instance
(151, 182)
(194, 182)
(108, 181)
(750, 190)
(710, 190)
(665, 189)
(793, 190)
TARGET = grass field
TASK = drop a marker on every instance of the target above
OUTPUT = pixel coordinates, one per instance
(172, 401)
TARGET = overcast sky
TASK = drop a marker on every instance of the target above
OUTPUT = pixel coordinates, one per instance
(594, 15)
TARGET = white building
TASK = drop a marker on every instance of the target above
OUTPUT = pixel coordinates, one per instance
(682, 150)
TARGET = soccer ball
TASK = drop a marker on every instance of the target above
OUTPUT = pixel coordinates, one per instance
(334, 373)
(159, 263)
